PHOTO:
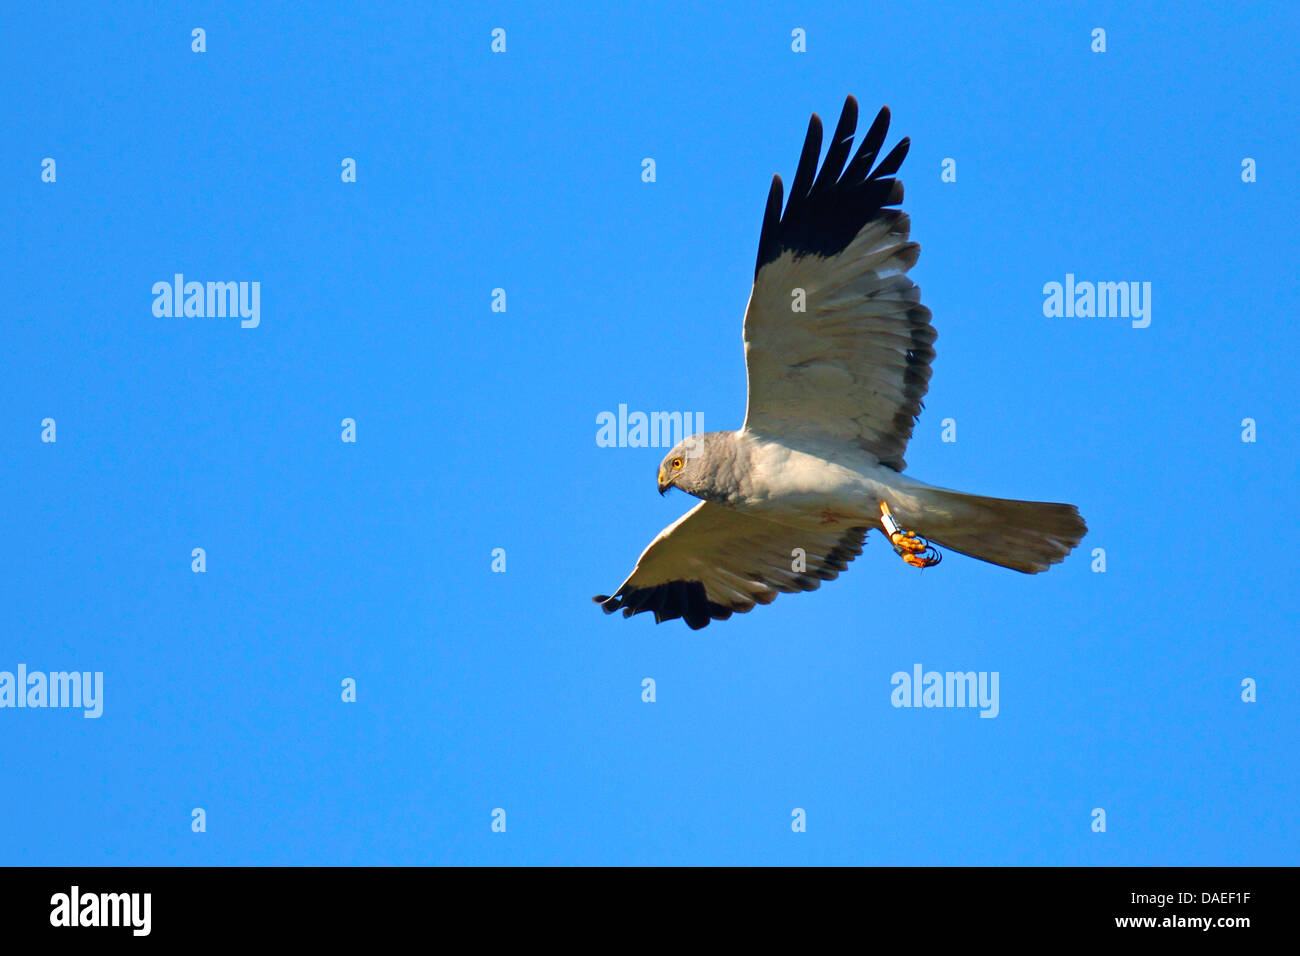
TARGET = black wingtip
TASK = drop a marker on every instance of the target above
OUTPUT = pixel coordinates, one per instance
(891, 163)
(771, 228)
(806, 171)
(827, 207)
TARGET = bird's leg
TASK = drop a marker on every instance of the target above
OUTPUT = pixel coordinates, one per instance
(908, 545)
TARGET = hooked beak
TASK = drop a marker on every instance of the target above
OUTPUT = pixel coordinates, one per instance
(663, 485)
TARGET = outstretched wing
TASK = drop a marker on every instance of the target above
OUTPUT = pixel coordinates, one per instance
(854, 363)
(713, 560)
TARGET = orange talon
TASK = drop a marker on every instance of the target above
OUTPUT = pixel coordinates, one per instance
(908, 545)
(907, 541)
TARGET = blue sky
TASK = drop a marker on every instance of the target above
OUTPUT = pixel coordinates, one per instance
(476, 430)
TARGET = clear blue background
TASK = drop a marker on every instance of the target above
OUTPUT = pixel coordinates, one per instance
(476, 430)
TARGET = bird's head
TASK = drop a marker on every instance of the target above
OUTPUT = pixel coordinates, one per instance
(680, 467)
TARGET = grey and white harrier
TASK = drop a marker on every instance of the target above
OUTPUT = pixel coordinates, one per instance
(838, 349)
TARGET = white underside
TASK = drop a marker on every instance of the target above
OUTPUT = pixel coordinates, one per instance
(808, 483)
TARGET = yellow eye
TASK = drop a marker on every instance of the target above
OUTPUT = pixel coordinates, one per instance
(677, 463)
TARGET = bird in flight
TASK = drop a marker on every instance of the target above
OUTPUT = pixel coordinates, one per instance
(837, 350)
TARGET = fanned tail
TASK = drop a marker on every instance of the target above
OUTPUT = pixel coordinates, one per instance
(1027, 536)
